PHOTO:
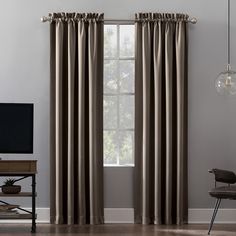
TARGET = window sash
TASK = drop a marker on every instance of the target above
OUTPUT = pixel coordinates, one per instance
(119, 94)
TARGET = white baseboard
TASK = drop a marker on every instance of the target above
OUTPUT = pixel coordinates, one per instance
(203, 216)
(119, 215)
(196, 216)
(126, 215)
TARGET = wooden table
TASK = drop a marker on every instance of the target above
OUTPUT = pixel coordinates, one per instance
(23, 169)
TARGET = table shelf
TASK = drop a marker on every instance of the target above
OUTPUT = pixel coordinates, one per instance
(18, 216)
(21, 194)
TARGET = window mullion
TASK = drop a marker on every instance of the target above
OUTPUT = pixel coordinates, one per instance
(118, 94)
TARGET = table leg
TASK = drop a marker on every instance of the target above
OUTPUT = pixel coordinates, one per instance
(33, 230)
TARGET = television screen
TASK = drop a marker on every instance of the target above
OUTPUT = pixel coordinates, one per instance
(16, 128)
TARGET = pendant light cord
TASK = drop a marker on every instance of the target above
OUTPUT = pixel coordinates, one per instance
(229, 33)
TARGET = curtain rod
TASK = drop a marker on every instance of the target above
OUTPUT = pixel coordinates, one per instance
(109, 21)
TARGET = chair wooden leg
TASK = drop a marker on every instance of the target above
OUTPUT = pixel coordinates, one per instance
(217, 205)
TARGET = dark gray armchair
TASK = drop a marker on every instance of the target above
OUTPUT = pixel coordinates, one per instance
(222, 192)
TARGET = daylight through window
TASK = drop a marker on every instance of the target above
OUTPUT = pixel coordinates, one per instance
(118, 95)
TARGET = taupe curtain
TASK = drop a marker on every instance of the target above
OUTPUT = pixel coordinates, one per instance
(161, 119)
(76, 118)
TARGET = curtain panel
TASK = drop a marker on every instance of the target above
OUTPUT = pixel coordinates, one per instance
(76, 118)
(161, 70)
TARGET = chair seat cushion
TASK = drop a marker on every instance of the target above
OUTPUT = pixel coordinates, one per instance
(226, 192)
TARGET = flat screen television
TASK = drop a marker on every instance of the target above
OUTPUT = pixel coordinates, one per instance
(16, 127)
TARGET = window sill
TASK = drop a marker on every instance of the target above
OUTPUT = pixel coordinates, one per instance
(118, 166)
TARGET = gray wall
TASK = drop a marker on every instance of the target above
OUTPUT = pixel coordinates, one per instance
(24, 77)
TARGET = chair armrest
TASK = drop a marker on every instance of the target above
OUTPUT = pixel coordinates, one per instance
(224, 176)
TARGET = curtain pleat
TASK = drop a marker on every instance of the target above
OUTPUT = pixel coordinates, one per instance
(169, 119)
(161, 118)
(157, 55)
(71, 119)
(77, 118)
(59, 125)
(182, 120)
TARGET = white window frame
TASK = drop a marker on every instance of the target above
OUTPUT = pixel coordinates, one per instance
(118, 58)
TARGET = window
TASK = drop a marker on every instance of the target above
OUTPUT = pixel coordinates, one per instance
(118, 95)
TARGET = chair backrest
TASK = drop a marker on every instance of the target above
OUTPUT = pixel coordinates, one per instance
(224, 176)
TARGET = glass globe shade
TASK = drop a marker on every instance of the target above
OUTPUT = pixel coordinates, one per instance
(225, 83)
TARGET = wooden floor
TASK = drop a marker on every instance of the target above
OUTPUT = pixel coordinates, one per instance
(116, 230)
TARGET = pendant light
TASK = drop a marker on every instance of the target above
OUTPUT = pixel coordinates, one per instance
(225, 83)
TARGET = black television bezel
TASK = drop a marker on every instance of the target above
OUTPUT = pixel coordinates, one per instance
(31, 150)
